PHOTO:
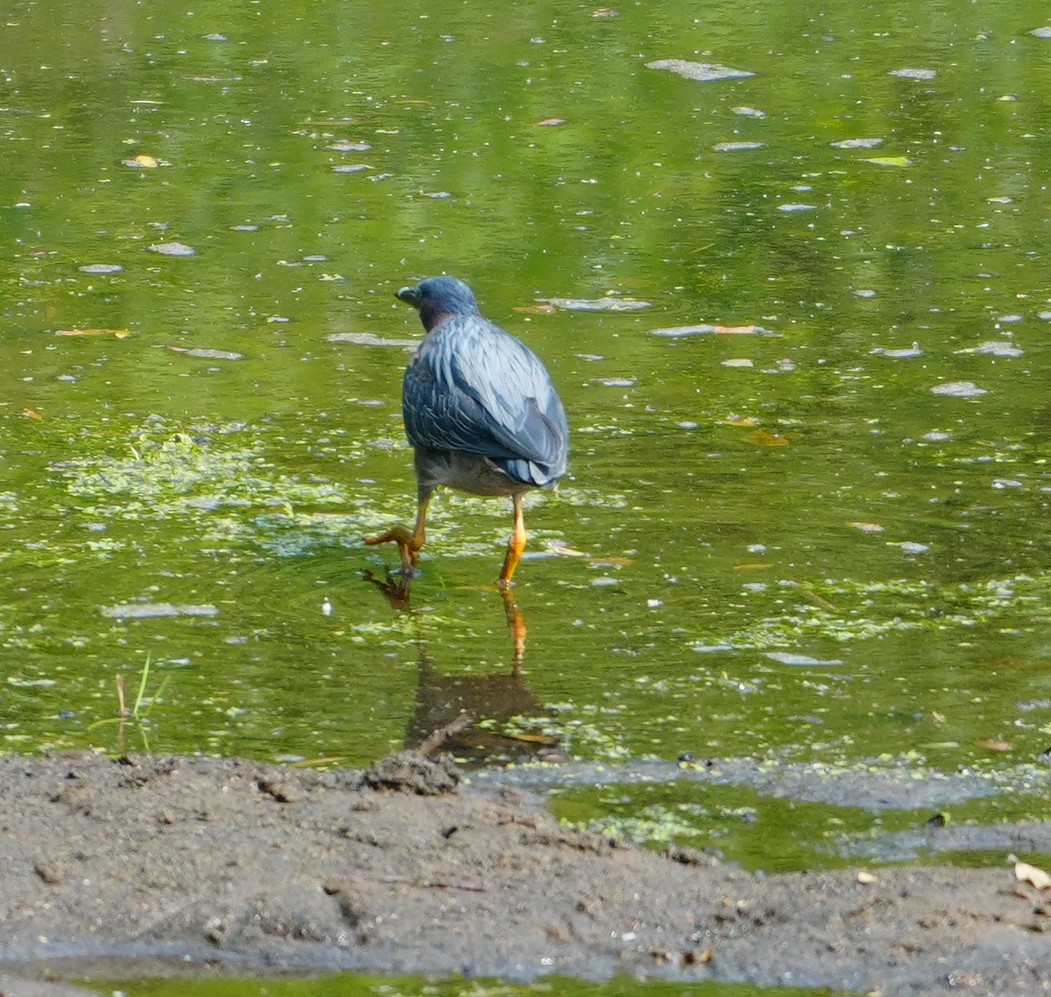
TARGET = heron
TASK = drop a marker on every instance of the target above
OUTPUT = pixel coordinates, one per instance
(481, 414)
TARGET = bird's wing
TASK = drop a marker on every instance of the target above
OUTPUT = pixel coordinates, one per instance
(474, 388)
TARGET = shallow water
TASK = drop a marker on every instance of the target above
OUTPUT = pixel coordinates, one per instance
(828, 543)
(355, 986)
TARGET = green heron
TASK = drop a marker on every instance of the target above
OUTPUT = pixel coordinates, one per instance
(480, 412)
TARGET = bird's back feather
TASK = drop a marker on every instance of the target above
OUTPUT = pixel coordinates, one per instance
(476, 389)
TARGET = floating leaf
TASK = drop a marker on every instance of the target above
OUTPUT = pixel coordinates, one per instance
(743, 421)
(115, 333)
(888, 161)
(607, 304)
(995, 348)
(904, 353)
(799, 660)
(959, 389)
(543, 309)
(155, 610)
(867, 527)
(172, 249)
(857, 143)
(994, 744)
(704, 72)
(203, 354)
(915, 74)
(738, 362)
(549, 122)
(101, 269)
(32, 414)
(343, 145)
(705, 329)
(370, 339)
(141, 162)
(557, 548)
(766, 438)
(738, 146)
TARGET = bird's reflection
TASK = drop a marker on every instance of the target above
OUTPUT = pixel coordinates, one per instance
(489, 700)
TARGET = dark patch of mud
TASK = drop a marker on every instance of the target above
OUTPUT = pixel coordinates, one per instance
(138, 865)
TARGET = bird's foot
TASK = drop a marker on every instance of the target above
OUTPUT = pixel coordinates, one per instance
(407, 546)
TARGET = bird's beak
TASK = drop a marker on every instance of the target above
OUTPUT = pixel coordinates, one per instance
(410, 295)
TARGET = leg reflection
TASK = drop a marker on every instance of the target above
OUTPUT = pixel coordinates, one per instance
(491, 701)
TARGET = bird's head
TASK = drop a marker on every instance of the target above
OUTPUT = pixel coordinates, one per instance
(439, 299)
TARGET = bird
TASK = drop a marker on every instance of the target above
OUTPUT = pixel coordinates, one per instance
(480, 412)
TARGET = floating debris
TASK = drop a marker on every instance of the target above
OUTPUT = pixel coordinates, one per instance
(995, 348)
(738, 146)
(370, 339)
(790, 209)
(894, 161)
(704, 72)
(344, 145)
(910, 547)
(914, 74)
(905, 353)
(857, 143)
(706, 329)
(350, 167)
(172, 249)
(115, 333)
(1044, 32)
(607, 304)
(800, 660)
(959, 389)
(748, 112)
(101, 269)
(155, 610)
(205, 354)
(766, 438)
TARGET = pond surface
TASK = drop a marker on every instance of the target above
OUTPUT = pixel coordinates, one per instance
(807, 515)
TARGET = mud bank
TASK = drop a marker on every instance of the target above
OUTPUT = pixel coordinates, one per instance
(151, 865)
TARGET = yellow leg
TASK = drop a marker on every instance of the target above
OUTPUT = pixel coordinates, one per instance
(409, 544)
(515, 545)
(516, 625)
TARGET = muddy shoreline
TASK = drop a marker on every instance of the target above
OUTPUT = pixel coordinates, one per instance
(196, 866)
